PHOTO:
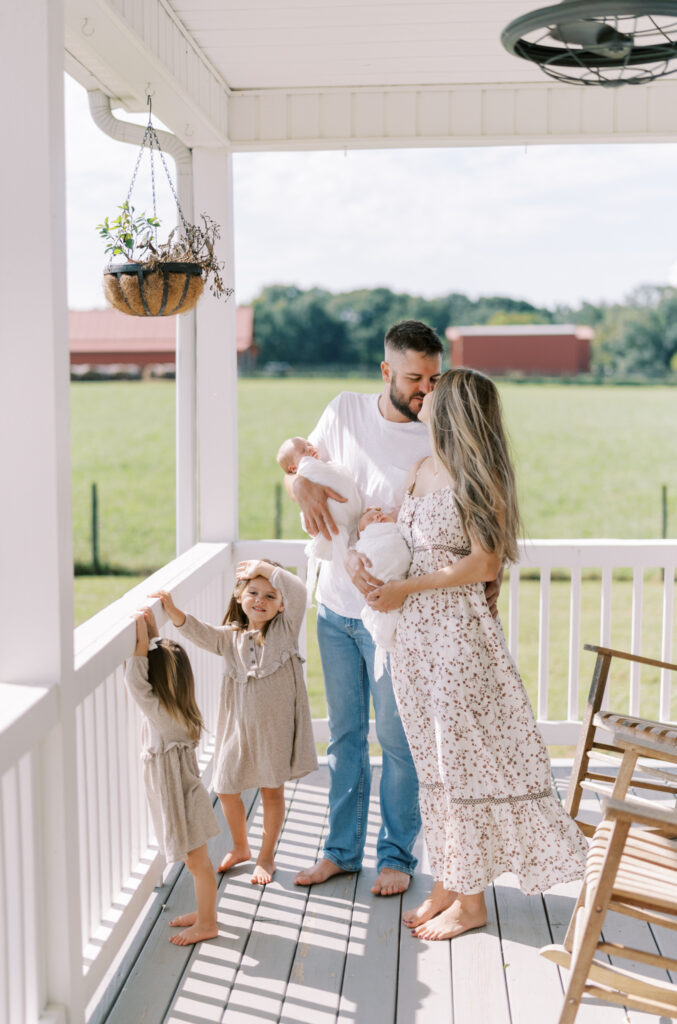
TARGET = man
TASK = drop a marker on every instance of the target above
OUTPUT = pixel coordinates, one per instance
(378, 438)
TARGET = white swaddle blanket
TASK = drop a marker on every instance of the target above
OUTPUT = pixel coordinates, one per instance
(390, 558)
(346, 514)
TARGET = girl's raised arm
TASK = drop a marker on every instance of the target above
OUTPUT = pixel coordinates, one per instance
(294, 596)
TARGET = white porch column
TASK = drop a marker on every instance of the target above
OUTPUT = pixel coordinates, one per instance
(216, 359)
(36, 558)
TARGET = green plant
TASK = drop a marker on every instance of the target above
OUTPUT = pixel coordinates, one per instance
(135, 238)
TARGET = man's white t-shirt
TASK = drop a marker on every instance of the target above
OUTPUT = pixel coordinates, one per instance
(379, 454)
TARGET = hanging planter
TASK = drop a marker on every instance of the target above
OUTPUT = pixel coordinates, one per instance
(158, 278)
(144, 290)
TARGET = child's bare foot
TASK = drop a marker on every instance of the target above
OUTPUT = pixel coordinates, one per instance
(263, 872)
(319, 872)
(462, 916)
(390, 882)
(236, 856)
(437, 900)
(198, 933)
(184, 920)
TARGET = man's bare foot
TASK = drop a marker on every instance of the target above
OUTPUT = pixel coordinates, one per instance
(390, 882)
(198, 933)
(184, 920)
(463, 915)
(236, 856)
(319, 872)
(263, 872)
(437, 900)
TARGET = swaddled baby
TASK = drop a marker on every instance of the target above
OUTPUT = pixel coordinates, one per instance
(299, 456)
(379, 538)
(385, 547)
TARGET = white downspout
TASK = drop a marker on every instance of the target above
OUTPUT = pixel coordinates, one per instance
(186, 347)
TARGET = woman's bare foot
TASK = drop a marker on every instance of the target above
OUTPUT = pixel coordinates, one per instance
(184, 920)
(319, 872)
(438, 900)
(465, 913)
(263, 872)
(198, 933)
(390, 882)
(236, 856)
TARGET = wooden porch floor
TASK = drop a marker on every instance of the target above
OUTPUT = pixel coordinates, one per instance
(338, 954)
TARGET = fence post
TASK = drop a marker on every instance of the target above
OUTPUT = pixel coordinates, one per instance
(277, 529)
(96, 566)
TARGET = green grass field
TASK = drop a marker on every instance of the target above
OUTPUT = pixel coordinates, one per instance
(590, 463)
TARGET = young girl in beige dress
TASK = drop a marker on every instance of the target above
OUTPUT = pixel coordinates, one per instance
(264, 734)
(160, 680)
(486, 795)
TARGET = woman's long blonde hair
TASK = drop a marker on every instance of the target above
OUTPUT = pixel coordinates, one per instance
(171, 678)
(469, 440)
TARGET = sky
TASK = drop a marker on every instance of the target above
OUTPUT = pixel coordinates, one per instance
(549, 224)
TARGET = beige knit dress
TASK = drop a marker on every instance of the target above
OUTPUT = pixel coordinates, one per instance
(264, 733)
(180, 806)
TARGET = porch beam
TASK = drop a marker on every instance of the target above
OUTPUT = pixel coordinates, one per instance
(36, 553)
(462, 115)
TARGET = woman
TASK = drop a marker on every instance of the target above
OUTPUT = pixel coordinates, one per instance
(486, 794)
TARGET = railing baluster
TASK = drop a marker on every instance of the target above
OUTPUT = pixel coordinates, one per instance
(574, 642)
(605, 619)
(92, 804)
(83, 821)
(543, 643)
(514, 612)
(636, 648)
(103, 802)
(5, 919)
(666, 640)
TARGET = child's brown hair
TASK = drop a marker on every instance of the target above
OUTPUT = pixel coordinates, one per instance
(171, 677)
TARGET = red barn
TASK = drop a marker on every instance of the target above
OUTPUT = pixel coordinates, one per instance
(549, 349)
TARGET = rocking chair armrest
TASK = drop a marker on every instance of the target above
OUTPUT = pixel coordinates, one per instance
(640, 814)
(626, 656)
(649, 739)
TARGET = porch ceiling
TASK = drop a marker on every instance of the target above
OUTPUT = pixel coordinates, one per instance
(274, 74)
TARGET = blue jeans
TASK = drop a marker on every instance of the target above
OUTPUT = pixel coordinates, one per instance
(347, 653)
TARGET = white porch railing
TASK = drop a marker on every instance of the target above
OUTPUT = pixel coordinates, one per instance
(112, 840)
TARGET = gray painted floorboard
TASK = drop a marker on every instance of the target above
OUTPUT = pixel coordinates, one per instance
(340, 955)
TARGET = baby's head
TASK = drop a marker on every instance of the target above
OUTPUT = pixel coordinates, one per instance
(292, 451)
(374, 515)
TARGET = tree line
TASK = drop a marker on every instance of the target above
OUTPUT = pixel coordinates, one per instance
(315, 327)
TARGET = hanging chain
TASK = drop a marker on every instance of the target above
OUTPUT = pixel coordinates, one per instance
(150, 139)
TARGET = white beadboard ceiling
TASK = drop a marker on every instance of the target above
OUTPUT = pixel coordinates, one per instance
(271, 44)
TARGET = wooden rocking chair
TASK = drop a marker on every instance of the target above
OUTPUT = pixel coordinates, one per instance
(631, 872)
(589, 744)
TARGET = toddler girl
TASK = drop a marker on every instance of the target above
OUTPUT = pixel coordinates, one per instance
(264, 732)
(160, 680)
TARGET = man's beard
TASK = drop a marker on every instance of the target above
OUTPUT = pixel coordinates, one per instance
(400, 403)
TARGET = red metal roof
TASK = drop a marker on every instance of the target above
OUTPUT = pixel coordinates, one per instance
(97, 330)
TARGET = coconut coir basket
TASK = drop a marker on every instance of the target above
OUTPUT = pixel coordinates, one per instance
(161, 290)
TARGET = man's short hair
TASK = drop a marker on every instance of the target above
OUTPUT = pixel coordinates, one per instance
(413, 334)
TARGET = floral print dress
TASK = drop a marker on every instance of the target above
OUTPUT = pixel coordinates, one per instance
(486, 794)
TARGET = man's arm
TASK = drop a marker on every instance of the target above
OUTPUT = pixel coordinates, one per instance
(312, 500)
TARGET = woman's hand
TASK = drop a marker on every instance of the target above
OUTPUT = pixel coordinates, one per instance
(388, 597)
(176, 616)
